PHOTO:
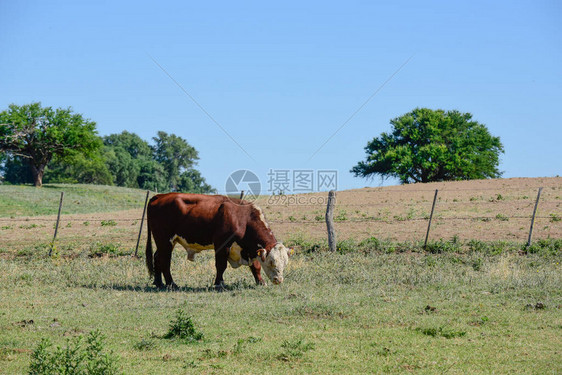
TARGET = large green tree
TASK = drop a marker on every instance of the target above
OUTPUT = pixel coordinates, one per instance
(16, 170)
(78, 168)
(432, 145)
(166, 166)
(131, 161)
(37, 134)
(175, 155)
(191, 181)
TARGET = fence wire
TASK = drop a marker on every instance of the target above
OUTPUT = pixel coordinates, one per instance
(490, 213)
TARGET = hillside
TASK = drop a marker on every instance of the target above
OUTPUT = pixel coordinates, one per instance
(481, 209)
(27, 200)
(485, 210)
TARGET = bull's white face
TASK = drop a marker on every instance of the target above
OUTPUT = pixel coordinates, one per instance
(275, 262)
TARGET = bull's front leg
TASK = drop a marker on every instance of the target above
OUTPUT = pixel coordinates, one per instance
(256, 271)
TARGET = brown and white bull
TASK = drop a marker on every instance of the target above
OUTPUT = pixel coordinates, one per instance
(235, 229)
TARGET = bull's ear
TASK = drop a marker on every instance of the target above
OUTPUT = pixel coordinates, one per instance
(291, 251)
(261, 254)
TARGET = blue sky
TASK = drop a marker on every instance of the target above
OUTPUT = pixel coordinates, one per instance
(282, 78)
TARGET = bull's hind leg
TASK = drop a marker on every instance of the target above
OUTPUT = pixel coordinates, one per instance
(158, 270)
(162, 263)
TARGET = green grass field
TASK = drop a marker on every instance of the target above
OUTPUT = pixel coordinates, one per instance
(371, 307)
(26, 200)
(352, 313)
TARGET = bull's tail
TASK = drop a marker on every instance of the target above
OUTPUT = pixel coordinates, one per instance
(149, 258)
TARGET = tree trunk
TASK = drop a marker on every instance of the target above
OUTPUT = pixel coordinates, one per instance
(37, 172)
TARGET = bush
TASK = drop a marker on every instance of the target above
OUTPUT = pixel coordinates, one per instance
(441, 332)
(441, 246)
(346, 246)
(373, 244)
(183, 328)
(99, 250)
(108, 223)
(554, 218)
(74, 358)
(548, 246)
(305, 245)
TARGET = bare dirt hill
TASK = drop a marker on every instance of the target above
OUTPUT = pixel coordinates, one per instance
(499, 209)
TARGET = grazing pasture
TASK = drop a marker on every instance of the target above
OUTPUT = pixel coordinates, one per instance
(378, 305)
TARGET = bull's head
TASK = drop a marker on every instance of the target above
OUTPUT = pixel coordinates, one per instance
(274, 261)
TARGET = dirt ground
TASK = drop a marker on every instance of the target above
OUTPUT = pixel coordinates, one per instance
(486, 210)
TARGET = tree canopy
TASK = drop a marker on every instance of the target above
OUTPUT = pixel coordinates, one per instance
(58, 146)
(36, 135)
(131, 160)
(432, 145)
(175, 155)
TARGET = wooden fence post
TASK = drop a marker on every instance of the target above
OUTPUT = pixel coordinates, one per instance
(533, 218)
(330, 220)
(57, 224)
(142, 221)
(430, 219)
(242, 195)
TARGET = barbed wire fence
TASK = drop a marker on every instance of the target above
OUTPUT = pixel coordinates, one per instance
(80, 222)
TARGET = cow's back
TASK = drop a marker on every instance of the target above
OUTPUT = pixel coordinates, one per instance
(194, 217)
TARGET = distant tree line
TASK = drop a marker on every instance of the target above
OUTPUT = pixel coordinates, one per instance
(45, 145)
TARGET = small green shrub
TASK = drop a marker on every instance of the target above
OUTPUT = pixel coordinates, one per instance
(183, 328)
(547, 246)
(498, 198)
(75, 358)
(369, 245)
(304, 245)
(491, 248)
(108, 223)
(346, 246)
(98, 250)
(29, 226)
(341, 216)
(441, 246)
(502, 217)
(441, 332)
